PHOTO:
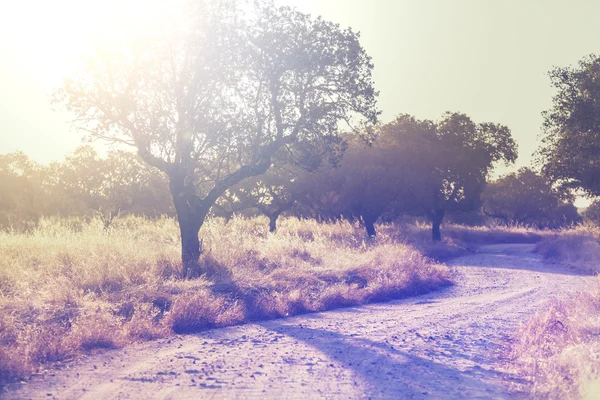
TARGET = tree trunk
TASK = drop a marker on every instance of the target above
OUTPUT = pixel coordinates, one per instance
(436, 221)
(190, 244)
(273, 222)
(191, 214)
(370, 227)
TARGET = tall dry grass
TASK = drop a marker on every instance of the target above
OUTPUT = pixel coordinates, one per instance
(558, 350)
(578, 246)
(68, 287)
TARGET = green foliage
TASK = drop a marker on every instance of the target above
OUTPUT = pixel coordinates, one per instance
(571, 140)
(466, 154)
(529, 198)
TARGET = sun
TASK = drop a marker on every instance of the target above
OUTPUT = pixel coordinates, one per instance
(56, 35)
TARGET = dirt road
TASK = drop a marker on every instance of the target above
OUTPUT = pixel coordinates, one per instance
(450, 344)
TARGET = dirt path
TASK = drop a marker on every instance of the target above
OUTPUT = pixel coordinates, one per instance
(448, 344)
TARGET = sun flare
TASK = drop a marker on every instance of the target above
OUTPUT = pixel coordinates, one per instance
(60, 34)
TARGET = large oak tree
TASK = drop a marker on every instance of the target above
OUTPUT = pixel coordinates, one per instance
(570, 151)
(213, 102)
(466, 154)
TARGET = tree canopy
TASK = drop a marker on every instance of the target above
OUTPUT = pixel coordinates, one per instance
(467, 153)
(120, 183)
(529, 198)
(570, 150)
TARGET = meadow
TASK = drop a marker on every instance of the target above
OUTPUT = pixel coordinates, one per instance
(71, 287)
(558, 350)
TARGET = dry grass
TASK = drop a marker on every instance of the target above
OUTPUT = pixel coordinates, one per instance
(558, 350)
(67, 287)
(579, 247)
(495, 234)
(457, 239)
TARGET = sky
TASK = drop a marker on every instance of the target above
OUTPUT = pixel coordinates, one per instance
(488, 59)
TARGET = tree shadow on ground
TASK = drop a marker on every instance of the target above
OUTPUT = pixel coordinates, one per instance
(387, 372)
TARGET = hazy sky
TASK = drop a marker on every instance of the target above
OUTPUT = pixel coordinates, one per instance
(488, 59)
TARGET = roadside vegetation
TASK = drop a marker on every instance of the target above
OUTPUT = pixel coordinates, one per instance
(215, 123)
(69, 287)
(558, 349)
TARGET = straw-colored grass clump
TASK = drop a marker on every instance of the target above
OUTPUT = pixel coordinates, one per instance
(69, 287)
(558, 350)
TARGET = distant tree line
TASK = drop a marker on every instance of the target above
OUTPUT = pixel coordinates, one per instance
(83, 185)
(409, 167)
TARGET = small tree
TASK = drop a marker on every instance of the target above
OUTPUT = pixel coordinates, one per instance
(120, 183)
(212, 105)
(271, 194)
(318, 194)
(528, 198)
(592, 213)
(466, 154)
(22, 191)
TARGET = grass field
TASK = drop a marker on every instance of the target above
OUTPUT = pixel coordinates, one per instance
(70, 287)
(559, 348)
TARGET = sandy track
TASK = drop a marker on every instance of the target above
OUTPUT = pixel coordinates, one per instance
(449, 344)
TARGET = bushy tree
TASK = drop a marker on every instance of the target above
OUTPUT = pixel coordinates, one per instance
(22, 192)
(390, 176)
(592, 213)
(466, 154)
(527, 197)
(571, 140)
(212, 104)
(120, 183)
(272, 194)
(429, 168)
